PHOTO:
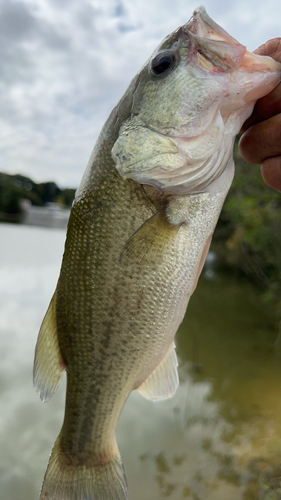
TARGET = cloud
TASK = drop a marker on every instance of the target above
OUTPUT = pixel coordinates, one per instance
(65, 64)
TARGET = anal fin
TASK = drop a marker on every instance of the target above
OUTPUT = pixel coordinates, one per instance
(163, 381)
(48, 363)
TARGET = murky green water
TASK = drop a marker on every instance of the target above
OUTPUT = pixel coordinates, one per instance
(218, 438)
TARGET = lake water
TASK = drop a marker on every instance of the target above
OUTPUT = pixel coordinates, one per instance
(218, 438)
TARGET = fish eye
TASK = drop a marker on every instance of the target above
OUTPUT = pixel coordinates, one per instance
(163, 62)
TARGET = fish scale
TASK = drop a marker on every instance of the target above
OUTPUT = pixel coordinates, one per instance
(138, 235)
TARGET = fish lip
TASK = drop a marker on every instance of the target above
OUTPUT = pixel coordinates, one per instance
(223, 52)
(220, 49)
(201, 24)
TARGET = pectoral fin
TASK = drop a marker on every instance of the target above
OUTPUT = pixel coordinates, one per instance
(163, 381)
(151, 239)
(48, 363)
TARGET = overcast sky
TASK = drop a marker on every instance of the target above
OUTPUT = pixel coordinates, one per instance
(65, 63)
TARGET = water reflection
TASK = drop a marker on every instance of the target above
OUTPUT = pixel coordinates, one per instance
(217, 439)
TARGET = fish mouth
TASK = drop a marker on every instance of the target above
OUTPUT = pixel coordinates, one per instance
(202, 25)
(213, 49)
(187, 156)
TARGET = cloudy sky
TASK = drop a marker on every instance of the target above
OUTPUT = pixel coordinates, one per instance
(65, 63)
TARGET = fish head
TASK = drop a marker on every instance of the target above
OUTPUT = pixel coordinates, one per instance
(189, 102)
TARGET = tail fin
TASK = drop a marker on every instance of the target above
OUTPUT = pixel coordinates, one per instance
(64, 482)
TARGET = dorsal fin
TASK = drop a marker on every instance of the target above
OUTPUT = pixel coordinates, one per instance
(48, 363)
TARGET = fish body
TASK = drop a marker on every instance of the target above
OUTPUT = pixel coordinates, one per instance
(138, 235)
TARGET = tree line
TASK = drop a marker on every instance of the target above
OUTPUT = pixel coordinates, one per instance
(15, 188)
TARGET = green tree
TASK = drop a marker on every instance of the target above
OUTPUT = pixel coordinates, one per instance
(248, 236)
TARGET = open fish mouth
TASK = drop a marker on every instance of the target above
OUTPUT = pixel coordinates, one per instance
(211, 41)
(202, 84)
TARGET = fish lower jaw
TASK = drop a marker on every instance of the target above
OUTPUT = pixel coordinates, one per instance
(190, 179)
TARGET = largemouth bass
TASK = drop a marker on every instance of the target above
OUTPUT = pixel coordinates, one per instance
(138, 235)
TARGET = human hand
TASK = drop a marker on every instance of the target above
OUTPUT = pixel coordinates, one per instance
(261, 140)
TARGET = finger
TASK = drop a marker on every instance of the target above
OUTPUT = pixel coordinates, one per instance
(271, 172)
(265, 107)
(262, 140)
(270, 104)
(270, 48)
